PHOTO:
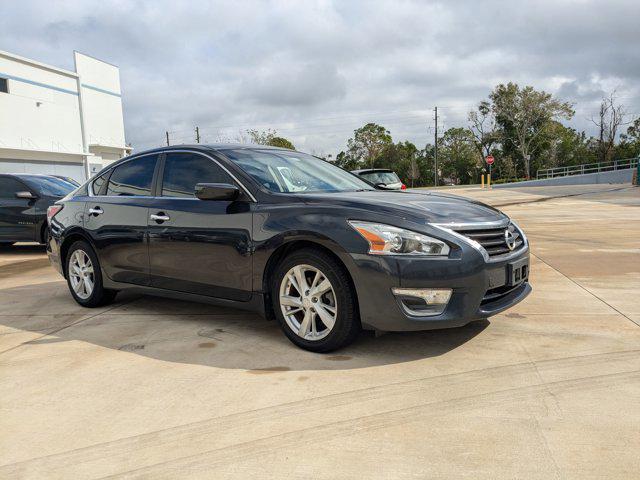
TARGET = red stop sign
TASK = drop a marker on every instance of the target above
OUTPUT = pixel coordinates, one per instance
(489, 159)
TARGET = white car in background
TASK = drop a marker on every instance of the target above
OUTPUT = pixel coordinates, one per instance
(381, 178)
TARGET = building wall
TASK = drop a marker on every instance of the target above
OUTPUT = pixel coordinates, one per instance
(41, 111)
(67, 169)
(612, 177)
(55, 121)
(101, 101)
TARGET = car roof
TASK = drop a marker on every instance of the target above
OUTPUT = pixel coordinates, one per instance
(215, 147)
(28, 175)
(372, 170)
(212, 146)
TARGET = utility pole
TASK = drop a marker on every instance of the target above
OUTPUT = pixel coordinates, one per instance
(435, 153)
(197, 135)
(167, 133)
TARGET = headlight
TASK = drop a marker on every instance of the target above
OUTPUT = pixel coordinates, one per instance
(388, 240)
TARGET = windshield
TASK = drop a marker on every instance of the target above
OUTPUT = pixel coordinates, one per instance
(294, 172)
(381, 177)
(50, 186)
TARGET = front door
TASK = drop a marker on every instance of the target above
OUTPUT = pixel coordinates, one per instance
(117, 216)
(17, 215)
(199, 246)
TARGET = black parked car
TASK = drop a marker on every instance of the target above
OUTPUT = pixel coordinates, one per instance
(70, 180)
(290, 236)
(24, 199)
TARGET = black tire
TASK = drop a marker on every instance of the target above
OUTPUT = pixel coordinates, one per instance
(99, 296)
(44, 234)
(347, 322)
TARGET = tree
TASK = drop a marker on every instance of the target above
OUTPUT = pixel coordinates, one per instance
(459, 158)
(367, 144)
(610, 119)
(269, 137)
(414, 171)
(345, 161)
(281, 142)
(523, 115)
(398, 157)
(629, 145)
(482, 125)
(562, 146)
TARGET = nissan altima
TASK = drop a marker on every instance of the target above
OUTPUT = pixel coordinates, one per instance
(290, 236)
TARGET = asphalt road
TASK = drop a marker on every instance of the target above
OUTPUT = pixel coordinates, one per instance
(156, 388)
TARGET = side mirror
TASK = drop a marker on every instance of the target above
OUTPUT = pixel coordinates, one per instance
(26, 195)
(217, 191)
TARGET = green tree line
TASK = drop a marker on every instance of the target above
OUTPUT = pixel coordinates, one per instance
(519, 126)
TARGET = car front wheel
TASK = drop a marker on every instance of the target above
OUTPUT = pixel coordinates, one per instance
(84, 277)
(314, 301)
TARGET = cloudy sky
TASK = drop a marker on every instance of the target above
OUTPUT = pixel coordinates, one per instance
(316, 70)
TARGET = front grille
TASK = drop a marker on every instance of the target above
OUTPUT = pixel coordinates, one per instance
(494, 240)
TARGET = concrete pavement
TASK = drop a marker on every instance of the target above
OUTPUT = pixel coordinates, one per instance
(156, 388)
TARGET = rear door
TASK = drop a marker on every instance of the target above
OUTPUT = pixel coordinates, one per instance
(17, 215)
(201, 246)
(116, 218)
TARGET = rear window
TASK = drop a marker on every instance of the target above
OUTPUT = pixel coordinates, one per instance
(50, 186)
(381, 177)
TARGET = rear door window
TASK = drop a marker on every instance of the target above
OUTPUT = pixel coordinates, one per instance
(133, 178)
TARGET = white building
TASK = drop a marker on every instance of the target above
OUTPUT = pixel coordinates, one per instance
(57, 121)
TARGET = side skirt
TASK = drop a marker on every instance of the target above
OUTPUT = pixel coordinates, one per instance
(255, 304)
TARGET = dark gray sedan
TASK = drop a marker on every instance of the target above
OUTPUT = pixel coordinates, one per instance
(290, 236)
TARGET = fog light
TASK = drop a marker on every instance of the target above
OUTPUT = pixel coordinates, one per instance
(423, 302)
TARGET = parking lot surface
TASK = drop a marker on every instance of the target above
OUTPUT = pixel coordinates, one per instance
(157, 388)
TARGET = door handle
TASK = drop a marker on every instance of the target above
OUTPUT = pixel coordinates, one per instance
(96, 211)
(160, 217)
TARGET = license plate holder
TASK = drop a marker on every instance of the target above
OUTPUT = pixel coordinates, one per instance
(517, 272)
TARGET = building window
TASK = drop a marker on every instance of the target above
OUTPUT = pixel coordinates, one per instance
(4, 85)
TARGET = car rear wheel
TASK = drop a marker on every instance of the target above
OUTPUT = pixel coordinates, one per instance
(84, 277)
(314, 301)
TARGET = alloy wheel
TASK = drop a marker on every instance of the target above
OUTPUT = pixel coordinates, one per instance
(81, 274)
(308, 302)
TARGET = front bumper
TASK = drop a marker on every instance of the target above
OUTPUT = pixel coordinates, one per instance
(479, 288)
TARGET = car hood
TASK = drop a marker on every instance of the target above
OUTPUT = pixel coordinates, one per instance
(419, 207)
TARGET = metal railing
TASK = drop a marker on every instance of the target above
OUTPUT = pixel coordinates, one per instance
(622, 164)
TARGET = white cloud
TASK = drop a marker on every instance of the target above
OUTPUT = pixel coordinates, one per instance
(317, 70)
